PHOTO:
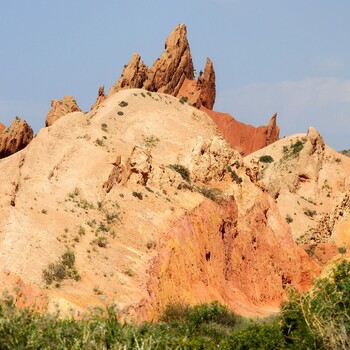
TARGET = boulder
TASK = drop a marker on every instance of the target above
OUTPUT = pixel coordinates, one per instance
(15, 137)
(59, 108)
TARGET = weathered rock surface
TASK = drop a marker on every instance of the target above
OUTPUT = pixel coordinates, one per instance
(15, 137)
(59, 108)
(100, 97)
(311, 186)
(234, 252)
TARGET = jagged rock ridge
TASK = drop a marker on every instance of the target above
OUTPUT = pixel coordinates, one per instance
(173, 74)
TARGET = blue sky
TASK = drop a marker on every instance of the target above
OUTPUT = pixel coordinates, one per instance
(286, 56)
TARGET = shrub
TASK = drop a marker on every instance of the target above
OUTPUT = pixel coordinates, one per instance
(289, 219)
(309, 212)
(183, 171)
(213, 194)
(101, 241)
(138, 195)
(123, 104)
(234, 175)
(183, 99)
(120, 113)
(104, 127)
(297, 147)
(62, 269)
(342, 250)
(266, 159)
(99, 142)
(151, 141)
(320, 317)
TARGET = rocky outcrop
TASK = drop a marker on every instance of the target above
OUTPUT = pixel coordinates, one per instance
(59, 108)
(133, 76)
(311, 187)
(100, 97)
(2, 127)
(172, 73)
(245, 138)
(15, 138)
(273, 130)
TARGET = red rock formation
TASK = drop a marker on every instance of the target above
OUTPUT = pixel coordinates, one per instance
(172, 73)
(59, 108)
(245, 138)
(100, 97)
(2, 127)
(15, 138)
(215, 253)
(133, 76)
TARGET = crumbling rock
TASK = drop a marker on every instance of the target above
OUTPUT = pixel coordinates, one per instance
(209, 159)
(15, 138)
(59, 108)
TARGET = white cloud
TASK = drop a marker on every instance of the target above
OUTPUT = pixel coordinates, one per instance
(320, 102)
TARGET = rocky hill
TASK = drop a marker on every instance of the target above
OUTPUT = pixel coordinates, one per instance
(153, 205)
(146, 200)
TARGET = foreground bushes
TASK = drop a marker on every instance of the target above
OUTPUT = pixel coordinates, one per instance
(318, 319)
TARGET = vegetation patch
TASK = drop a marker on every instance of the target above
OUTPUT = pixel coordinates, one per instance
(293, 151)
(150, 141)
(266, 159)
(183, 99)
(234, 175)
(318, 319)
(123, 104)
(62, 269)
(138, 195)
(183, 171)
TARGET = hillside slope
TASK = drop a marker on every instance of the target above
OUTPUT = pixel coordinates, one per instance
(108, 186)
(310, 184)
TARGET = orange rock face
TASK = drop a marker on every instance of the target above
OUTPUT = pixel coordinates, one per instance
(213, 253)
(59, 108)
(15, 138)
(2, 127)
(245, 138)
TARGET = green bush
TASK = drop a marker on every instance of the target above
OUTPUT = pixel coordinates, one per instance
(183, 171)
(123, 104)
(234, 175)
(320, 318)
(62, 269)
(138, 195)
(266, 159)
